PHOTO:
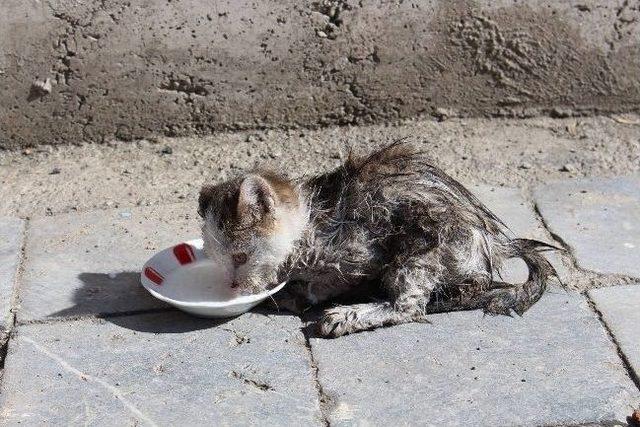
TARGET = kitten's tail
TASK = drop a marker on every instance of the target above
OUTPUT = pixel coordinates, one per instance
(520, 297)
(502, 298)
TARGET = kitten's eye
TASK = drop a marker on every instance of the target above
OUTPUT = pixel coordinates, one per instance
(239, 258)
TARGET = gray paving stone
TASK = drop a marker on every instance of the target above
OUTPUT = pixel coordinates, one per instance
(160, 369)
(11, 236)
(89, 263)
(513, 209)
(553, 366)
(599, 219)
(510, 205)
(620, 308)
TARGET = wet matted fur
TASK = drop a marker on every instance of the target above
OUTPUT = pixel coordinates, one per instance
(392, 219)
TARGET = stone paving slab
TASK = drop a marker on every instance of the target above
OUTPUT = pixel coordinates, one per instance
(599, 219)
(89, 263)
(553, 366)
(620, 308)
(11, 236)
(512, 208)
(160, 369)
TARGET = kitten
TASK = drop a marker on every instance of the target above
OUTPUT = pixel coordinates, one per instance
(391, 219)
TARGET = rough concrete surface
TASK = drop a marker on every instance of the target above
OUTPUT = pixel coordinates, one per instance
(598, 219)
(620, 309)
(554, 366)
(160, 369)
(11, 235)
(89, 264)
(91, 71)
(515, 153)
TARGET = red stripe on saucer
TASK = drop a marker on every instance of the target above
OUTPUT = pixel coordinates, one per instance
(184, 253)
(153, 275)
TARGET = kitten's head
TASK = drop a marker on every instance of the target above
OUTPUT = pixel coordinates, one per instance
(250, 225)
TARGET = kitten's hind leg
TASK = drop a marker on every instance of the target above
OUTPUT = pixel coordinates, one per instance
(410, 287)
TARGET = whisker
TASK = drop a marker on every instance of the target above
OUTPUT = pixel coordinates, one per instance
(210, 234)
(275, 303)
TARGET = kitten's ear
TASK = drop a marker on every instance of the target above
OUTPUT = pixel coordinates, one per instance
(256, 196)
(204, 201)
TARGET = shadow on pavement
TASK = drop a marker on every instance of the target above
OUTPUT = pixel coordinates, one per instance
(165, 322)
(121, 299)
(105, 294)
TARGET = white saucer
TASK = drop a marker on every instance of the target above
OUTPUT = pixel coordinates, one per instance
(184, 277)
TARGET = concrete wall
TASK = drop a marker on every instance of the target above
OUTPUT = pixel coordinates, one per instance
(133, 68)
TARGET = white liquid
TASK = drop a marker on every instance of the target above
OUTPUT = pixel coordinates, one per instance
(201, 281)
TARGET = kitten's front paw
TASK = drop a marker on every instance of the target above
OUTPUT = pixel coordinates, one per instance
(337, 321)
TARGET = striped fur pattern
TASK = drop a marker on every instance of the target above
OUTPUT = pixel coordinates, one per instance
(395, 220)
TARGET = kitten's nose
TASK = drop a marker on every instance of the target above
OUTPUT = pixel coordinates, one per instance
(239, 259)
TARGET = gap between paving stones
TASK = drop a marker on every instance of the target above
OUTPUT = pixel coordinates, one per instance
(568, 257)
(623, 357)
(6, 336)
(323, 398)
(584, 277)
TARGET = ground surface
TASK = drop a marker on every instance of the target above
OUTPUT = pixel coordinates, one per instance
(88, 345)
(53, 180)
